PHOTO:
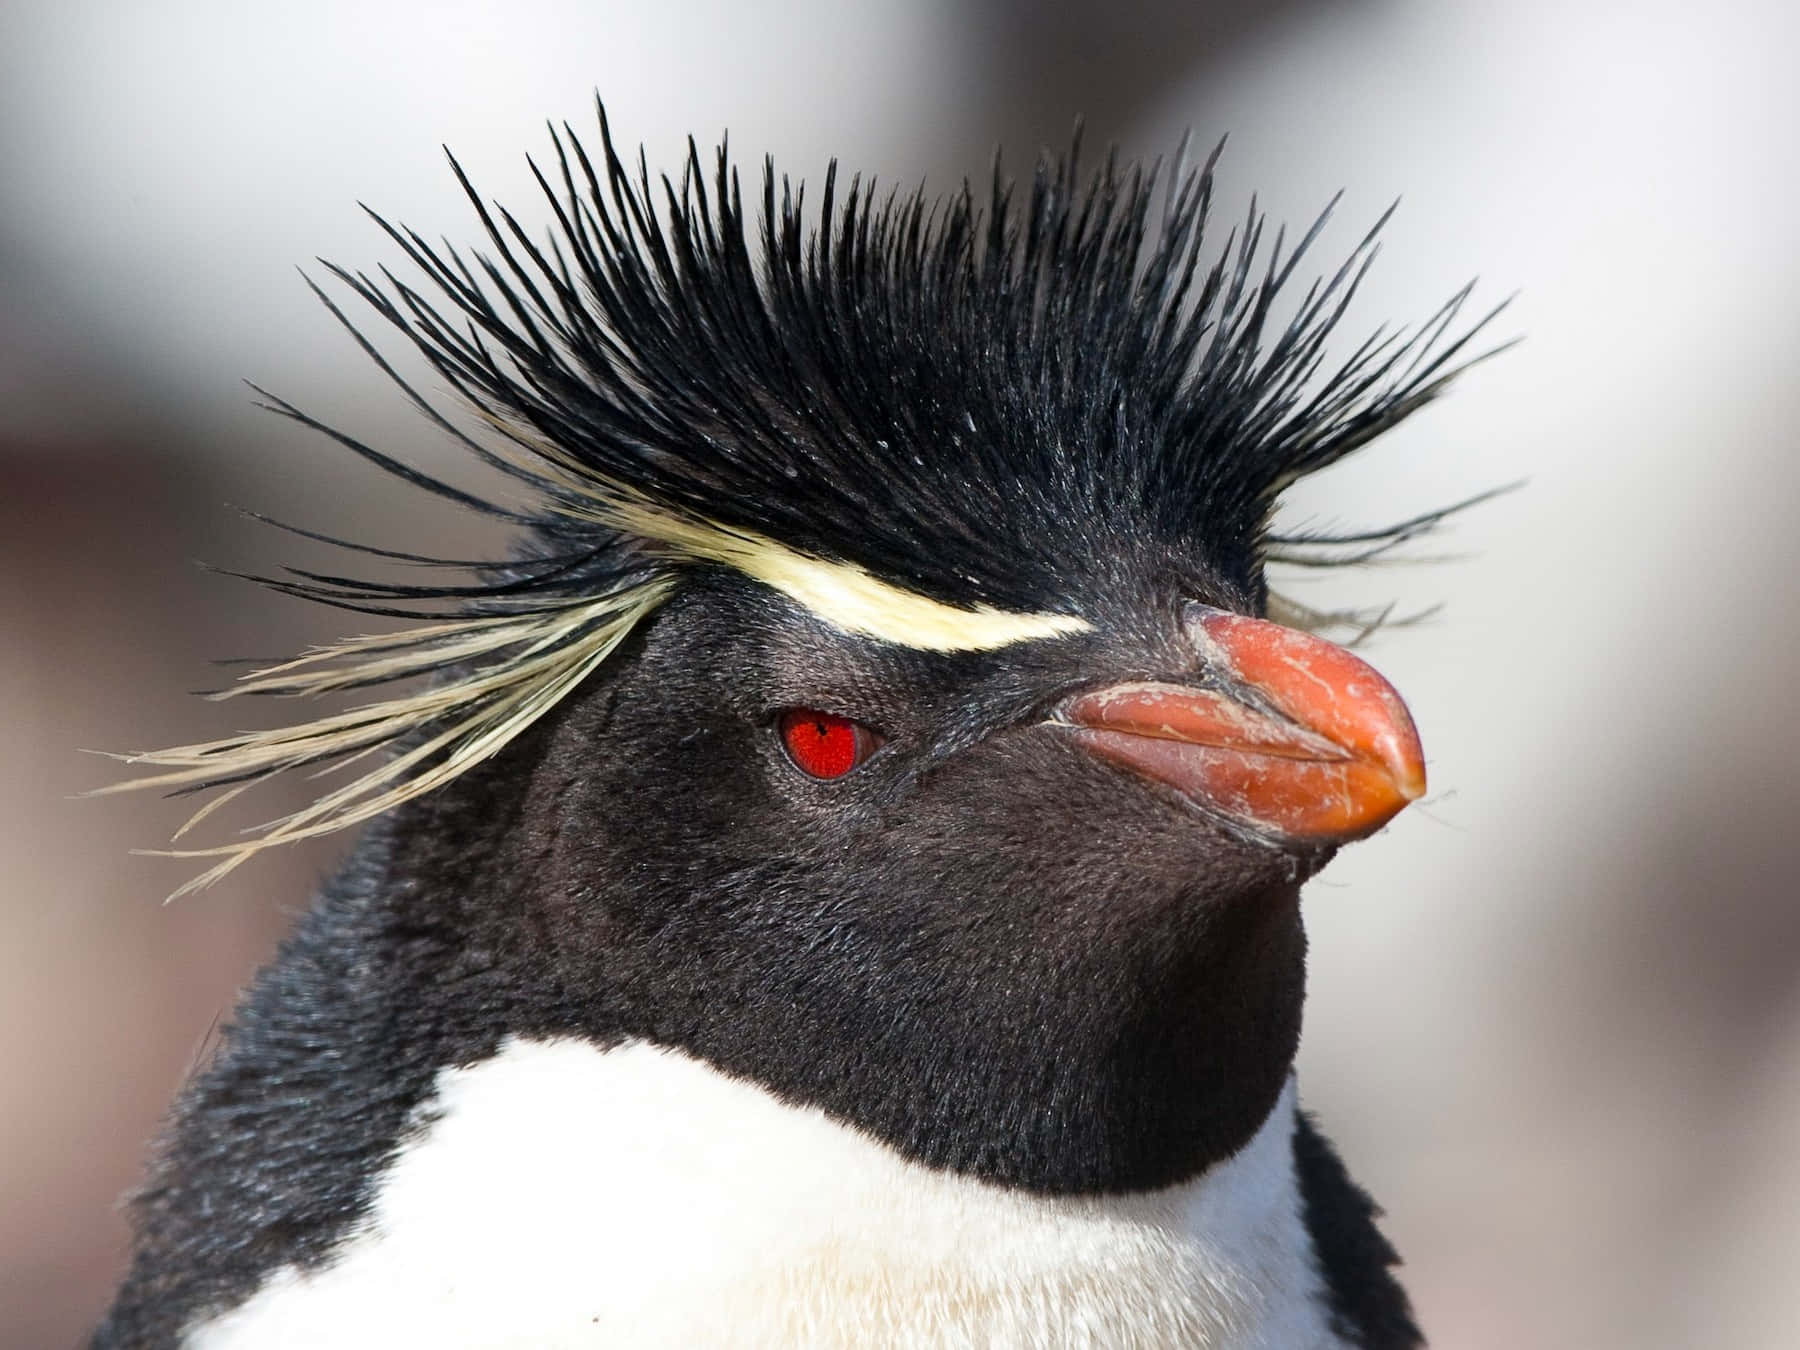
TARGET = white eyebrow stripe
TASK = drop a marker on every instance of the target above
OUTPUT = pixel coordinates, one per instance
(846, 596)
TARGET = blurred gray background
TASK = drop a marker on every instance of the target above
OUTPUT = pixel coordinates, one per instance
(1555, 1013)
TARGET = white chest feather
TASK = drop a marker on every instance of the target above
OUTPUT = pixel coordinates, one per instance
(568, 1196)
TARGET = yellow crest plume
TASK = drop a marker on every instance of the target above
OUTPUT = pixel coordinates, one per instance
(512, 669)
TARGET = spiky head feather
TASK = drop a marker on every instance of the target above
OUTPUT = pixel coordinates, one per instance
(928, 420)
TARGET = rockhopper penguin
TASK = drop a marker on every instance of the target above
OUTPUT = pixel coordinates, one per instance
(837, 882)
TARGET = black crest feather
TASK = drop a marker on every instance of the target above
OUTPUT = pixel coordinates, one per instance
(937, 391)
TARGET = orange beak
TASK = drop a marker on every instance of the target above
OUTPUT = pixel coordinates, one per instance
(1302, 739)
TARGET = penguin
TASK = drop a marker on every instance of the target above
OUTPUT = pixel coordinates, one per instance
(836, 880)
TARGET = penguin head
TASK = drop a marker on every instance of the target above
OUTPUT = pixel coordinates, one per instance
(886, 694)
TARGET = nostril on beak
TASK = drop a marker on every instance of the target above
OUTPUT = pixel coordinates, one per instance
(1194, 613)
(1197, 621)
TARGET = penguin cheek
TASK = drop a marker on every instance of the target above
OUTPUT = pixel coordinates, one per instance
(1027, 838)
(1100, 860)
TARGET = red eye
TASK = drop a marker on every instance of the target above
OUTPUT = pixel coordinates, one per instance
(824, 745)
